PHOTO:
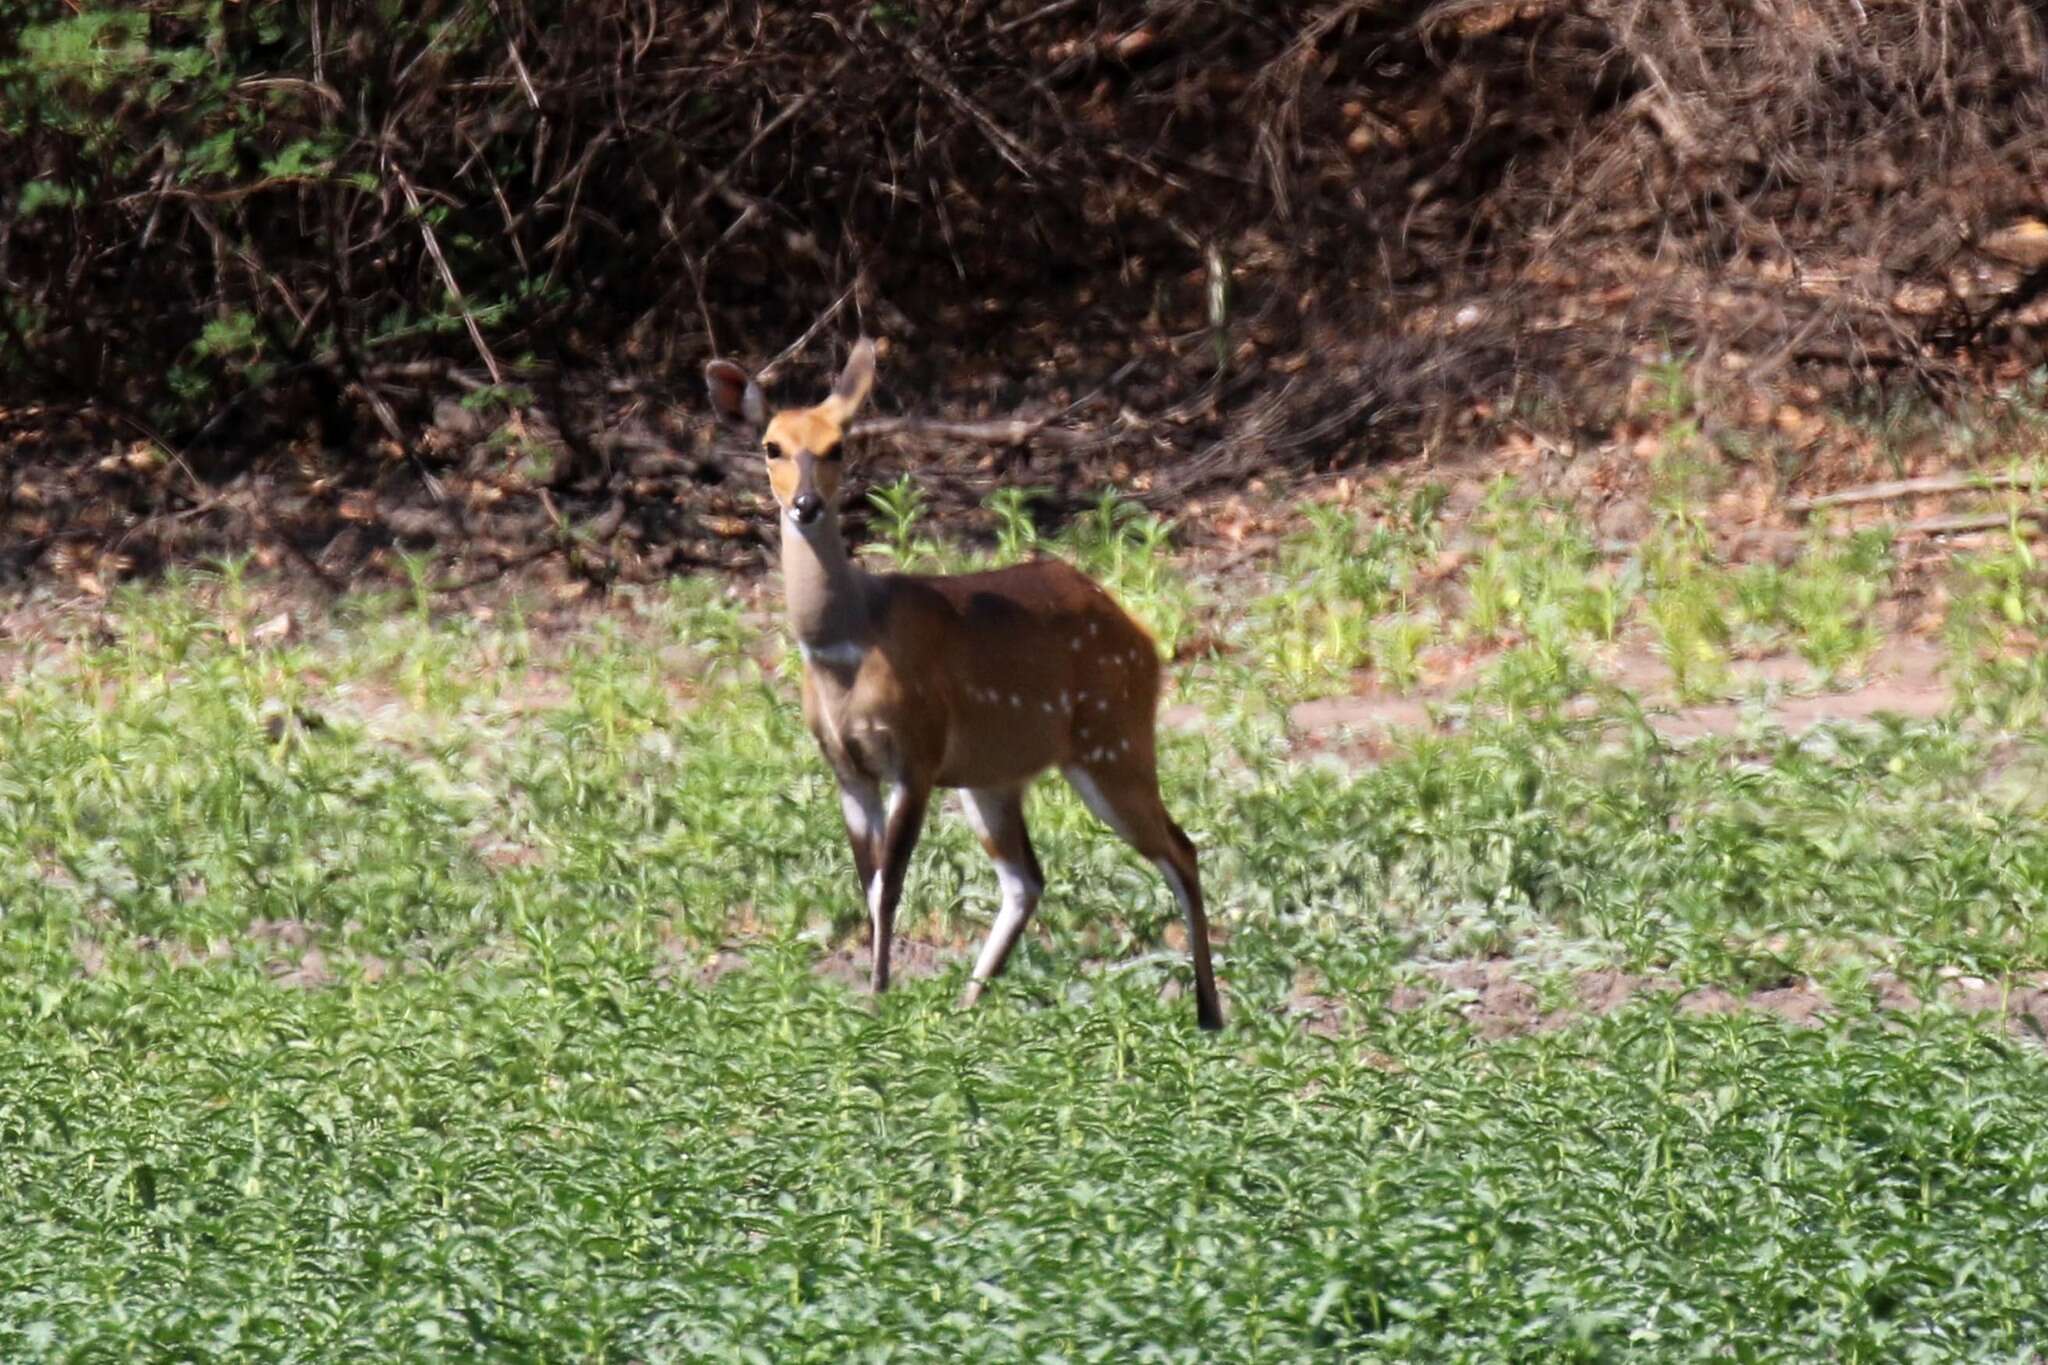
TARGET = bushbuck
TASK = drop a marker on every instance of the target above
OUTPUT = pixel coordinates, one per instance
(977, 681)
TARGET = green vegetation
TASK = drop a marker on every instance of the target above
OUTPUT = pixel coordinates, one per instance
(1998, 630)
(391, 983)
(357, 999)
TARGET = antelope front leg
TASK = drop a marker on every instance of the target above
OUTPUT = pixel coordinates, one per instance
(903, 823)
(860, 804)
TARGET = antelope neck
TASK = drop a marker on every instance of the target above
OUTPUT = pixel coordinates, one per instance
(826, 595)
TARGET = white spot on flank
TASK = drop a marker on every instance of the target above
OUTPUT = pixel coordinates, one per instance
(1065, 703)
(1075, 644)
(1016, 700)
(1048, 707)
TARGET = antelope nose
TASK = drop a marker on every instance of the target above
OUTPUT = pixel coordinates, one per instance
(807, 506)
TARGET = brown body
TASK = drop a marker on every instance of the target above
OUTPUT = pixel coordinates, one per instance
(972, 681)
(981, 680)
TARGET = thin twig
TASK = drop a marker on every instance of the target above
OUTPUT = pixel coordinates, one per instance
(1042, 12)
(426, 369)
(1007, 144)
(1002, 431)
(1123, 372)
(313, 87)
(1907, 488)
(1948, 526)
(476, 333)
(518, 65)
(788, 112)
(477, 156)
(767, 372)
(386, 418)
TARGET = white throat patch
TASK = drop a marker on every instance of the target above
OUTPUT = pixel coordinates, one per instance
(792, 526)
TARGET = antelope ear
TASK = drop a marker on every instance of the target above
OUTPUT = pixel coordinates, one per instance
(854, 381)
(735, 397)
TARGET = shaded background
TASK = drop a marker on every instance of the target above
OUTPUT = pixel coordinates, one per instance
(335, 281)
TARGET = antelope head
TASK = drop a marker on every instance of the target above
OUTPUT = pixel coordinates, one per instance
(802, 445)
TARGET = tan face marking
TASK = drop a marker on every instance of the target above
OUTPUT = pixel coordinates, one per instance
(812, 431)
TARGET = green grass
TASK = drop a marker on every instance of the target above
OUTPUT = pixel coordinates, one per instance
(1998, 632)
(501, 1113)
(572, 1163)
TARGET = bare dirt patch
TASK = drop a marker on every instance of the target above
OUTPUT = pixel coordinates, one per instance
(679, 960)
(1489, 994)
(1316, 1013)
(910, 959)
(1903, 678)
(1500, 1004)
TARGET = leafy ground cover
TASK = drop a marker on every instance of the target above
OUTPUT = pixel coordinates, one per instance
(407, 985)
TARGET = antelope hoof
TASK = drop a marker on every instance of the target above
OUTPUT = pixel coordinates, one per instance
(971, 997)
